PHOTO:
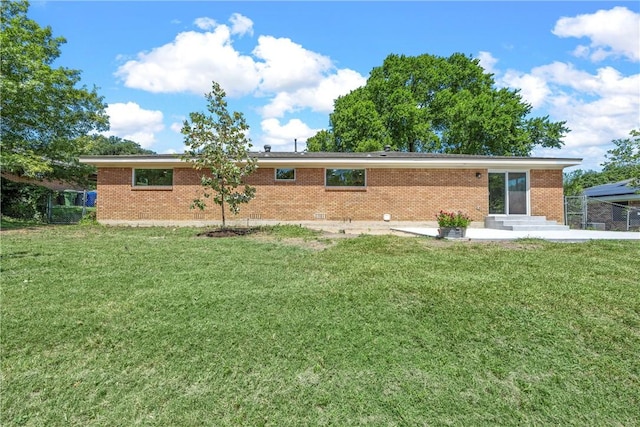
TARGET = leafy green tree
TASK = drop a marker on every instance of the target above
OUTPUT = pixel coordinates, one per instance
(98, 145)
(357, 125)
(44, 112)
(217, 142)
(435, 104)
(321, 141)
(625, 157)
(575, 182)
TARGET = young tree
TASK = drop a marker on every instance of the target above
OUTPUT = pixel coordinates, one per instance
(43, 110)
(444, 105)
(217, 143)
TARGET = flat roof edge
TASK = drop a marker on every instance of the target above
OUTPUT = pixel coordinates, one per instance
(360, 160)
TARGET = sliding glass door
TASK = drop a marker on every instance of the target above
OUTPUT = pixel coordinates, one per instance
(508, 193)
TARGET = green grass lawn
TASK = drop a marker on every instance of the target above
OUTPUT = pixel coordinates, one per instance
(128, 326)
(7, 223)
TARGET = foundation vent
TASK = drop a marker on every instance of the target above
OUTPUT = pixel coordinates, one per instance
(143, 215)
(198, 215)
(319, 216)
(255, 216)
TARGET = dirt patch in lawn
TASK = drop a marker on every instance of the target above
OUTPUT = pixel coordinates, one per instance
(228, 232)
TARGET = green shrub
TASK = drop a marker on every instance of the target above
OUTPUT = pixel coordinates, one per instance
(89, 218)
(24, 201)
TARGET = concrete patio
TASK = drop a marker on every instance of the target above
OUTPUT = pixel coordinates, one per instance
(474, 233)
(551, 235)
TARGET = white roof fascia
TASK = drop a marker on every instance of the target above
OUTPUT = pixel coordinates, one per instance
(365, 162)
(424, 163)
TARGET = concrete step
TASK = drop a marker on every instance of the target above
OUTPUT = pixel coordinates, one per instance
(522, 223)
(530, 217)
(555, 227)
(517, 222)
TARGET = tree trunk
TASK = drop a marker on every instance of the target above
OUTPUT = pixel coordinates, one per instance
(224, 223)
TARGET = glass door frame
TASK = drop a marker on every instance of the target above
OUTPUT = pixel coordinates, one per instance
(506, 173)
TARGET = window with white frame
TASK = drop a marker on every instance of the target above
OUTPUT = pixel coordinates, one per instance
(152, 177)
(345, 178)
(285, 174)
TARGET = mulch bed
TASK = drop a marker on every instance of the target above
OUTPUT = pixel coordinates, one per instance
(228, 232)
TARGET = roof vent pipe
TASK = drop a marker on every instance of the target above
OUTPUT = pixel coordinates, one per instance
(295, 144)
(387, 148)
(267, 148)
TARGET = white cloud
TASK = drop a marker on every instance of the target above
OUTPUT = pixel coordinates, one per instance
(287, 65)
(598, 107)
(487, 61)
(592, 156)
(318, 97)
(129, 121)
(595, 122)
(289, 76)
(606, 82)
(604, 104)
(205, 23)
(176, 127)
(241, 25)
(282, 136)
(533, 89)
(190, 63)
(614, 32)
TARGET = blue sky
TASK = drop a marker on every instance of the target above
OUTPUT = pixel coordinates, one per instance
(283, 63)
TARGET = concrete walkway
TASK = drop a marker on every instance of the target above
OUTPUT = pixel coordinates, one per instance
(557, 236)
(475, 232)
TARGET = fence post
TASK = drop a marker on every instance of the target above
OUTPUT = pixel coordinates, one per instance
(49, 207)
(585, 211)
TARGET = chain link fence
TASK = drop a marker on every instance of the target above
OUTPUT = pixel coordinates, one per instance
(588, 213)
(30, 201)
(69, 206)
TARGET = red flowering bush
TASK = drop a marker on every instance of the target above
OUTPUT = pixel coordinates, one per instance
(453, 219)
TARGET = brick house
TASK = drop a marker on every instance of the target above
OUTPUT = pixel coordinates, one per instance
(305, 186)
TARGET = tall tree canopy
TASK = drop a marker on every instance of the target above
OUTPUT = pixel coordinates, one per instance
(44, 111)
(435, 104)
(100, 145)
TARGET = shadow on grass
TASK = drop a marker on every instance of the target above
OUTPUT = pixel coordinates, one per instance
(7, 223)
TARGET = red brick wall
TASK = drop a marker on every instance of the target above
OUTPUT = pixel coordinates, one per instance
(547, 194)
(405, 194)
